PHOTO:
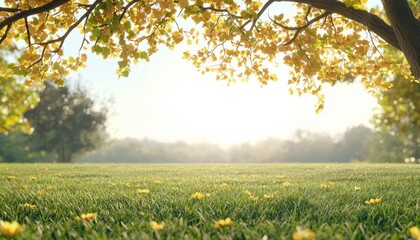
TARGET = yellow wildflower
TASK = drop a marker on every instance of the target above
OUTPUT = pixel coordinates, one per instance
(33, 178)
(157, 181)
(268, 196)
(303, 235)
(415, 233)
(11, 178)
(58, 175)
(10, 229)
(254, 198)
(223, 223)
(143, 191)
(373, 201)
(197, 195)
(39, 192)
(286, 184)
(27, 205)
(87, 217)
(157, 226)
(224, 185)
(356, 188)
(323, 185)
(248, 193)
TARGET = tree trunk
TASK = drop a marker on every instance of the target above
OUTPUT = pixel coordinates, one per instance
(407, 31)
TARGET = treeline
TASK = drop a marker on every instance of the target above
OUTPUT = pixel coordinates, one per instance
(356, 144)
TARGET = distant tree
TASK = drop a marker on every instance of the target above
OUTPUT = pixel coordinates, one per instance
(351, 145)
(382, 146)
(66, 122)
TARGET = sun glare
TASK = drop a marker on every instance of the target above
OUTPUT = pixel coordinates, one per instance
(168, 100)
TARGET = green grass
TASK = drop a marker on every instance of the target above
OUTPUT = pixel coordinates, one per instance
(62, 192)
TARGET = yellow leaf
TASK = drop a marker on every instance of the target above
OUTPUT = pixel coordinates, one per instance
(183, 3)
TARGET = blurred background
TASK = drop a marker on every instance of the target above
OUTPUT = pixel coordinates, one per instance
(165, 111)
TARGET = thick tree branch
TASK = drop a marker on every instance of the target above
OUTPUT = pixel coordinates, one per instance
(3, 9)
(23, 14)
(371, 21)
(407, 29)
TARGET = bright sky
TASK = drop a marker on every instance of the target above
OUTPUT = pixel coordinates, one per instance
(168, 100)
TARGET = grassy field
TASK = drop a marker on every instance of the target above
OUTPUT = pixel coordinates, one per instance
(270, 201)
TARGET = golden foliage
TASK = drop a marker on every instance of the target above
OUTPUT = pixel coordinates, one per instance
(236, 40)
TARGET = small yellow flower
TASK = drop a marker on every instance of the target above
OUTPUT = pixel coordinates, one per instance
(157, 181)
(87, 217)
(157, 226)
(223, 223)
(415, 233)
(33, 178)
(356, 188)
(197, 195)
(11, 178)
(268, 196)
(39, 193)
(254, 198)
(10, 229)
(58, 175)
(324, 186)
(224, 185)
(286, 184)
(303, 235)
(27, 205)
(373, 201)
(143, 191)
(248, 193)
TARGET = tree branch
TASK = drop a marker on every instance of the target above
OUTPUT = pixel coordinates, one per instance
(298, 29)
(73, 26)
(407, 29)
(27, 31)
(23, 14)
(3, 9)
(126, 7)
(5, 33)
(371, 21)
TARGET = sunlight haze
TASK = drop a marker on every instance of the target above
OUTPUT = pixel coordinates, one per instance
(168, 100)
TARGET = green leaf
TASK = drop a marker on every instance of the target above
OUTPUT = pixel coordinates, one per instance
(96, 32)
(122, 64)
(106, 51)
(143, 55)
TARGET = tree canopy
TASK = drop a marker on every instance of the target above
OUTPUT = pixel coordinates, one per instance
(320, 40)
(15, 98)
